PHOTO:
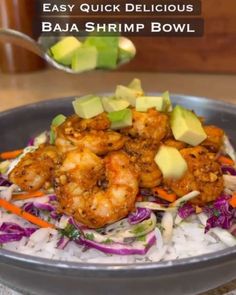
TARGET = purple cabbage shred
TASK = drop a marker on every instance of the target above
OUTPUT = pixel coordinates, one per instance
(139, 215)
(186, 210)
(34, 208)
(62, 243)
(30, 208)
(13, 232)
(228, 170)
(4, 181)
(220, 213)
(30, 142)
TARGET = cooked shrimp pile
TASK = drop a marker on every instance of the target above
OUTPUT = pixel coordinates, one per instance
(96, 172)
(96, 191)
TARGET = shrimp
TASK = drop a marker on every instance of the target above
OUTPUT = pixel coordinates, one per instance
(150, 125)
(176, 144)
(215, 138)
(204, 175)
(96, 191)
(142, 154)
(93, 134)
(35, 169)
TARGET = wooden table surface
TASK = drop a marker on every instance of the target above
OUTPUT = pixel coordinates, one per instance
(16, 90)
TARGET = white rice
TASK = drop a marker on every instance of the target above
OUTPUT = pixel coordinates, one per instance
(188, 240)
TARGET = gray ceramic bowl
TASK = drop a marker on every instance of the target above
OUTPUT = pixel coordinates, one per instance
(41, 276)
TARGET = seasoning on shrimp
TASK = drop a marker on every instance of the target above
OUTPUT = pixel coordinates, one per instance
(35, 169)
(142, 154)
(93, 134)
(204, 175)
(96, 191)
(150, 125)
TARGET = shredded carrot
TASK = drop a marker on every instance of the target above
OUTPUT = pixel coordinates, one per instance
(232, 201)
(225, 160)
(10, 154)
(18, 211)
(25, 196)
(165, 195)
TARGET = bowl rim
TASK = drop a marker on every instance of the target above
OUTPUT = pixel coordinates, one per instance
(49, 265)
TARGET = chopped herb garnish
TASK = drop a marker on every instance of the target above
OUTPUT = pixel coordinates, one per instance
(141, 239)
(138, 229)
(99, 230)
(216, 212)
(71, 232)
(182, 203)
(141, 228)
(108, 241)
(89, 236)
(160, 227)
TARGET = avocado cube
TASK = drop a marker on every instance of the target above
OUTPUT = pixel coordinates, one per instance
(107, 48)
(88, 106)
(111, 104)
(126, 93)
(120, 119)
(64, 50)
(167, 101)
(135, 84)
(186, 126)
(143, 103)
(84, 59)
(57, 121)
(171, 162)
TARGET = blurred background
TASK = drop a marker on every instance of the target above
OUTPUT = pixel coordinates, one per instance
(203, 66)
(215, 52)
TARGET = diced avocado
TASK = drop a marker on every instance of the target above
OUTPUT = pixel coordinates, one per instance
(107, 47)
(171, 162)
(167, 101)
(88, 106)
(64, 50)
(143, 103)
(186, 126)
(111, 104)
(57, 121)
(84, 59)
(135, 84)
(52, 136)
(123, 92)
(120, 119)
(127, 50)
